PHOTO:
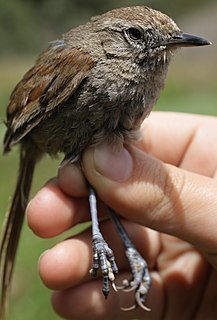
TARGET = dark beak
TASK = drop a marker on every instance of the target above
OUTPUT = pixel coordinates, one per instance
(187, 40)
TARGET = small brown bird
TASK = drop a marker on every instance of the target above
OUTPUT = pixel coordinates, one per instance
(96, 83)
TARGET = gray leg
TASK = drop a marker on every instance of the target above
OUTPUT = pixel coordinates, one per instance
(102, 255)
(141, 280)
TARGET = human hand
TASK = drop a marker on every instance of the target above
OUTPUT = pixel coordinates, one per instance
(167, 182)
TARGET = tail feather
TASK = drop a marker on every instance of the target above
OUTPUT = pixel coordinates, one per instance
(13, 225)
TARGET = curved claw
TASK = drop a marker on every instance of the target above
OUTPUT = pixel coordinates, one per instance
(143, 307)
(139, 302)
(114, 287)
(129, 308)
(129, 289)
(125, 284)
(120, 287)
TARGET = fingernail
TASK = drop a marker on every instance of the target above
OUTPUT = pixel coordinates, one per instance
(116, 165)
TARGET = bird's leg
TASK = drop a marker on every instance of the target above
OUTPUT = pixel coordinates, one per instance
(103, 256)
(141, 279)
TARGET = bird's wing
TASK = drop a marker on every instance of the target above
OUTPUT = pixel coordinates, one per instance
(57, 74)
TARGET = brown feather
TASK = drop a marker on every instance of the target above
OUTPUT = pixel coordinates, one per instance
(55, 76)
(13, 225)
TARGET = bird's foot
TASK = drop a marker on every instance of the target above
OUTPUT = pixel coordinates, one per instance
(140, 282)
(104, 259)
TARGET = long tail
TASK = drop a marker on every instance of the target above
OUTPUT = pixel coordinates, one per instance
(13, 225)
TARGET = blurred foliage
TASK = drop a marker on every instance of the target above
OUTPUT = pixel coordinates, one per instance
(27, 25)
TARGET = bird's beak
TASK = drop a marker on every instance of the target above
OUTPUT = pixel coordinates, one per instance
(187, 40)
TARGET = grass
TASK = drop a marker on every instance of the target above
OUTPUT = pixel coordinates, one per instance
(30, 300)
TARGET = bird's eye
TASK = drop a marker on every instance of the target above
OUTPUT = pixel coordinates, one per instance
(134, 34)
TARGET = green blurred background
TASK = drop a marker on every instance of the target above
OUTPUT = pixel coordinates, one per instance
(25, 29)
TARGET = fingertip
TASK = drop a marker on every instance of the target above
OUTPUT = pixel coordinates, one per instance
(51, 212)
(106, 161)
(65, 264)
(122, 178)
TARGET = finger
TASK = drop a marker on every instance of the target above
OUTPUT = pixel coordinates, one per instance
(185, 273)
(68, 263)
(181, 139)
(72, 181)
(52, 212)
(160, 196)
(166, 135)
(68, 303)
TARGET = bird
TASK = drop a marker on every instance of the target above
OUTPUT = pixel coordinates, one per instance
(94, 84)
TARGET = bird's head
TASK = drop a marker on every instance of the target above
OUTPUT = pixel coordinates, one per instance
(142, 34)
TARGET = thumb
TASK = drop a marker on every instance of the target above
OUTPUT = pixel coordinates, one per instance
(149, 192)
(128, 180)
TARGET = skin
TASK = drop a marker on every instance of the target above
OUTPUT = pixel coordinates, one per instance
(166, 195)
